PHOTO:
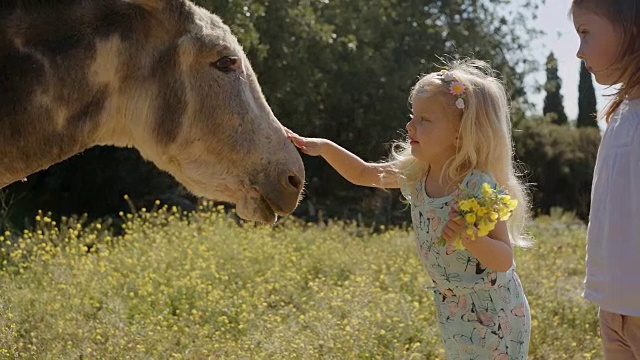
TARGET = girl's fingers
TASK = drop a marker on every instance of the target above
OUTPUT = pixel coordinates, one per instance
(291, 134)
(452, 230)
(448, 234)
(454, 225)
(297, 141)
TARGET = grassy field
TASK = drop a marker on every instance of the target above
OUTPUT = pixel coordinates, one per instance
(202, 287)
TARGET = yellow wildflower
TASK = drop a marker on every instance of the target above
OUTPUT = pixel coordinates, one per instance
(470, 218)
(504, 214)
(482, 211)
(486, 190)
(473, 203)
(464, 205)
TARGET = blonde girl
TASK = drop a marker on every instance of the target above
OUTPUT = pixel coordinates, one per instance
(459, 137)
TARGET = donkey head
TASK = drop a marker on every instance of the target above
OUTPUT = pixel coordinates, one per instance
(194, 107)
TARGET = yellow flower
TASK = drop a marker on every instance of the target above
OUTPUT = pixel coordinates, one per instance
(486, 190)
(482, 211)
(484, 227)
(470, 218)
(464, 205)
(473, 203)
(483, 231)
(505, 214)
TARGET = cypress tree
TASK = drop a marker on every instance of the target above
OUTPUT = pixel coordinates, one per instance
(553, 100)
(587, 111)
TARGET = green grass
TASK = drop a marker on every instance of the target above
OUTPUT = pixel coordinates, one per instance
(203, 287)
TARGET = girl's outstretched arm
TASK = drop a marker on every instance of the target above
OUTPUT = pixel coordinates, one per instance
(351, 167)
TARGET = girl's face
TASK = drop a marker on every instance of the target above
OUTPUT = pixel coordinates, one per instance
(433, 130)
(600, 43)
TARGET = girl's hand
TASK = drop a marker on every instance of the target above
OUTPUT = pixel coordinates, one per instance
(456, 229)
(309, 146)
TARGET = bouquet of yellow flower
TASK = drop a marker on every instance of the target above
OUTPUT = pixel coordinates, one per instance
(483, 211)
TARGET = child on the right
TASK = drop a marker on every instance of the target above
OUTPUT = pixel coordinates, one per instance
(610, 47)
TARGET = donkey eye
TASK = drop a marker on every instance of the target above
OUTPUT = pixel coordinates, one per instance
(225, 63)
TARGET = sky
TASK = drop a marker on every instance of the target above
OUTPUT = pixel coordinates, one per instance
(562, 39)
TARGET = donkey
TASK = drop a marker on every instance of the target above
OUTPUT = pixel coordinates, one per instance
(166, 77)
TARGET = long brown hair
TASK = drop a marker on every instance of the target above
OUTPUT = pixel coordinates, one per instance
(625, 15)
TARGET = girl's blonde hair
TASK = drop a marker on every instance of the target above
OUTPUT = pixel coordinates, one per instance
(485, 135)
(624, 15)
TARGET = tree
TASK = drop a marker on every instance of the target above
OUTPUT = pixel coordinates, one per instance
(558, 162)
(587, 111)
(553, 101)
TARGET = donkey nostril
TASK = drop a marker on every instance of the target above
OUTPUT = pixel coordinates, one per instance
(296, 182)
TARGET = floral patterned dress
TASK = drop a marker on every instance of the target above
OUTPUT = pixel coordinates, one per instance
(483, 314)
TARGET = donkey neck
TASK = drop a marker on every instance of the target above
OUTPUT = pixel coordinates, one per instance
(62, 80)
